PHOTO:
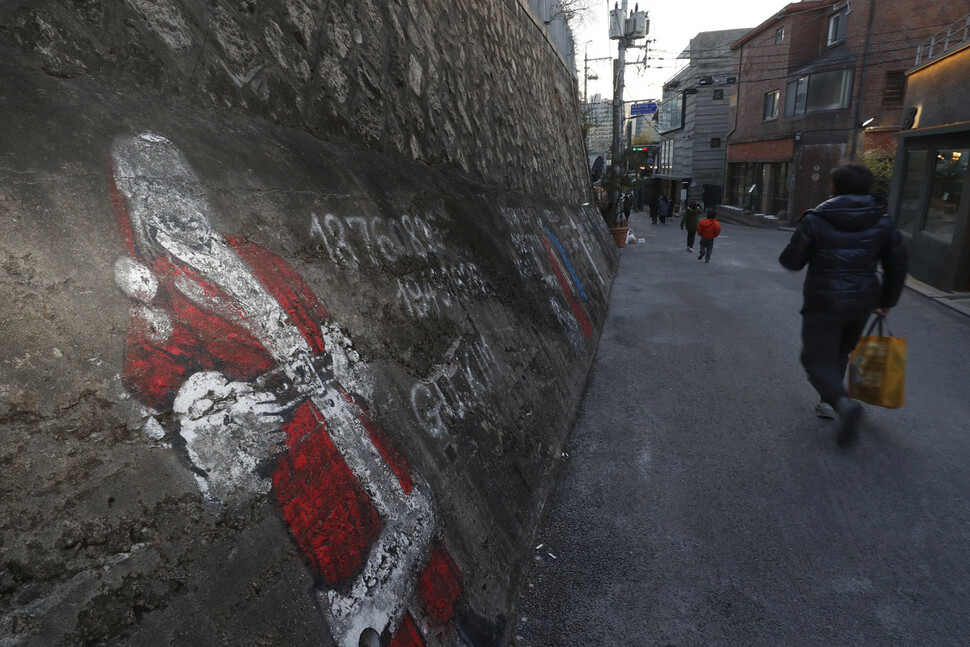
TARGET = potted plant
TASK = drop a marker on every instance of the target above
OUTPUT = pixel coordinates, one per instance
(611, 206)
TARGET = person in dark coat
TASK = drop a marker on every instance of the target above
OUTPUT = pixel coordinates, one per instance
(665, 209)
(690, 220)
(842, 241)
(654, 208)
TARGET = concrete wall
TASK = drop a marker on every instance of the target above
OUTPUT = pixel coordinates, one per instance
(295, 318)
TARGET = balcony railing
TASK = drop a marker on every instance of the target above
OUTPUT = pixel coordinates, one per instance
(944, 41)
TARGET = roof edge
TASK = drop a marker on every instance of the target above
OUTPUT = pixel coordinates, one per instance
(787, 10)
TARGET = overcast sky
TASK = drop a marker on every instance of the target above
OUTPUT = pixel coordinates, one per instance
(672, 24)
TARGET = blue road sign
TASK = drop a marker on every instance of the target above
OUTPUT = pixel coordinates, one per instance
(647, 108)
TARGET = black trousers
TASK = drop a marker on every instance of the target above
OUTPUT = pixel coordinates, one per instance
(827, 340)
(690, 236)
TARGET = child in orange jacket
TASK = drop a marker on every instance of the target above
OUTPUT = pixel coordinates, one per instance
(708, 229)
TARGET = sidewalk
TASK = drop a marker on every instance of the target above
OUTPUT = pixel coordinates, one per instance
(959, 301)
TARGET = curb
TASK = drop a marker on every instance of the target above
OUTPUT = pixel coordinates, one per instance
(959, 301)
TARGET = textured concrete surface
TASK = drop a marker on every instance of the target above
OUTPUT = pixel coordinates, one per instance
(469, 84)
(419, 202)
(703, 503)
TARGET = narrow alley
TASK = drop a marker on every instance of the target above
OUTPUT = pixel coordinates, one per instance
(703, 503)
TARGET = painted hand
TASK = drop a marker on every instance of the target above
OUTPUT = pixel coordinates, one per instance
(231, 431)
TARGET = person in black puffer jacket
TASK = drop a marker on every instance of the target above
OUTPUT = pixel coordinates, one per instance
(842, 241)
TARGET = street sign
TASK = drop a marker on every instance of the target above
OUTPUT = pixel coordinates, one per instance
(647, 108)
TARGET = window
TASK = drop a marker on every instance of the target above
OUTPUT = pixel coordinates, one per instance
(715, 142)
(666, 161)
(795, 95)
(895, 88)
(829, 90)
(760, 187)
(822, 91)
(718, 94)
(946, 189)
(771, 105)
(672, 113)
(779, 35)
(837, 24)
(909, 211)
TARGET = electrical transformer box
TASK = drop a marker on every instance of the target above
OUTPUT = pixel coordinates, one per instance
(616, 24)
(637, 25)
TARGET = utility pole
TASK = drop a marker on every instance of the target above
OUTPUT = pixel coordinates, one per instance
(857, 121)
(618, 109)
(624, 29)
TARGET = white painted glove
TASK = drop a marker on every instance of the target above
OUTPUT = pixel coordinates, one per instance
(230, 431)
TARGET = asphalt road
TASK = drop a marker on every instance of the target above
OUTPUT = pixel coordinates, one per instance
(703, 503)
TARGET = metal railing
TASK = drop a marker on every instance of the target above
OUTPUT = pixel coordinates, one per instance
(944, 41)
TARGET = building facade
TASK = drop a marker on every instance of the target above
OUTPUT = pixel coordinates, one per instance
(693, 120)
(599, 128)
(820, 83)
(930, 194)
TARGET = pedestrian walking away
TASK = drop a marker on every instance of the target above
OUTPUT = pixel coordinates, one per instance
(842, 241)
(708, 229)
(665, 208)
(654, 209)
(689, 221)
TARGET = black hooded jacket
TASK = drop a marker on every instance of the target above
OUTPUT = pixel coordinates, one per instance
(842, 240)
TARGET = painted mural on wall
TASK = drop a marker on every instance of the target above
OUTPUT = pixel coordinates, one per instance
(262, 393)
(467, 372)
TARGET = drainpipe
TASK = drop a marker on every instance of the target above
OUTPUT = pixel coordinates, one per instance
(862, 81)
(737, 109)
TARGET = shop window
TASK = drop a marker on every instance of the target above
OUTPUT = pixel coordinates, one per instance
(946, 189)
(910, 210)
(771, 105)
(837, 25)
(758, 187)
(895, 89)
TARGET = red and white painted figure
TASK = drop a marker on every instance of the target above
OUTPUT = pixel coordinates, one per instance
(266, 394)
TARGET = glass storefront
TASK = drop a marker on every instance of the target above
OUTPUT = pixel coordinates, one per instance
(758, 187)
(932, 210)
(910, 211)
(946, 189)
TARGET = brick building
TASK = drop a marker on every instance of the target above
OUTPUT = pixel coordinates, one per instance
(820, 82)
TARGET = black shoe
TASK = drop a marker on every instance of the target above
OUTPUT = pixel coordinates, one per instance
(850, 412)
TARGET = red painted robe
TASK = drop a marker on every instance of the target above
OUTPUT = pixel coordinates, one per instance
(327, 511)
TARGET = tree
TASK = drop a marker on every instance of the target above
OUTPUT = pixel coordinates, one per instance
(574, 12)
(882, 167)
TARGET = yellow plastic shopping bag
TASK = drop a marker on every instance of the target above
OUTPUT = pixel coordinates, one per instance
(877, 368)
